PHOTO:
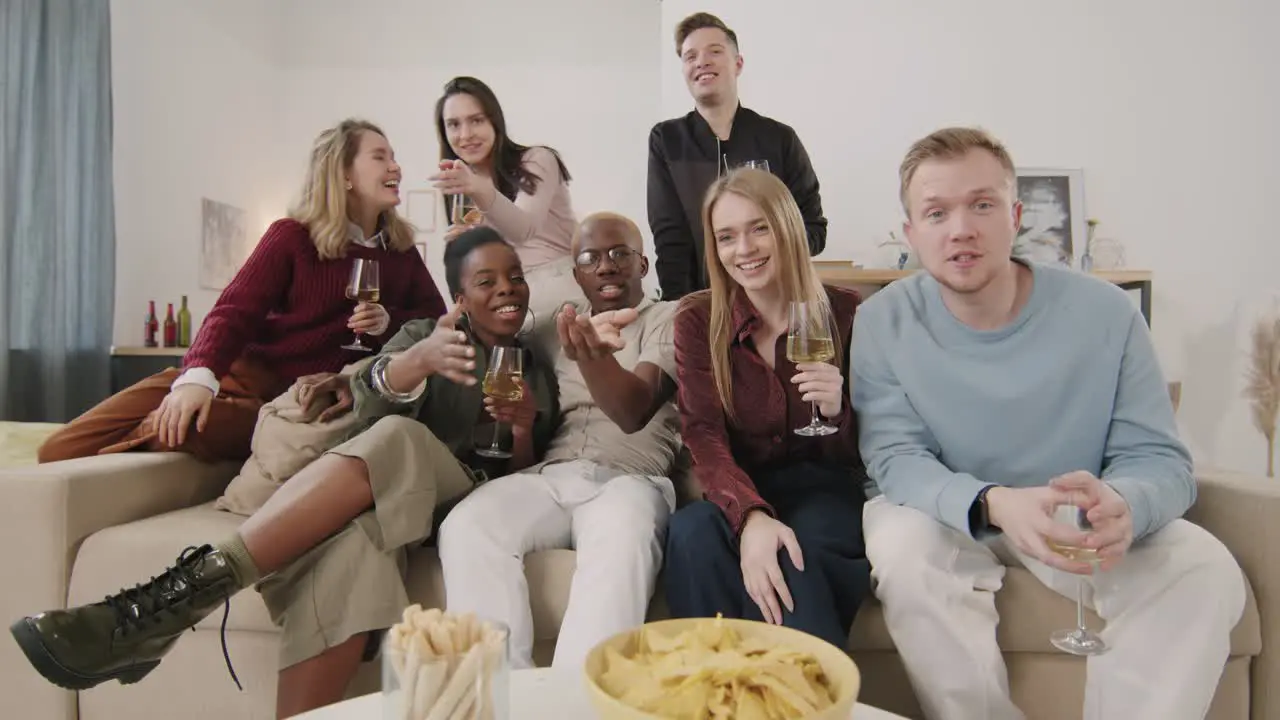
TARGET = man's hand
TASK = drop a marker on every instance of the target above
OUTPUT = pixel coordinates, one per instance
(1107, 511)
(595, 337)
(762, 538)
(311, 388)
(1025, 515)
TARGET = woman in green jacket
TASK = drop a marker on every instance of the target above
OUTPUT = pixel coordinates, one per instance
(329, 546)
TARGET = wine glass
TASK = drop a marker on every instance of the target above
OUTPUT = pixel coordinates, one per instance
(504, 380)
(362, 286)
(809, 340)
(1078, 640)
(756, 164)
(464, 211)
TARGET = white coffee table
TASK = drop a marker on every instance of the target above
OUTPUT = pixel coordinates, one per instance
(535, 695)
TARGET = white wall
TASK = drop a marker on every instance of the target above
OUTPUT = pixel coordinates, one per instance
(577, 75)
(196, 92)
(1169, 107)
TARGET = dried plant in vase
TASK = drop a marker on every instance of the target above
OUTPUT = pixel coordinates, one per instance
(1262, 386)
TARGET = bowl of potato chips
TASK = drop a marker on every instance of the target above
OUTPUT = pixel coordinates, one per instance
(719, 668)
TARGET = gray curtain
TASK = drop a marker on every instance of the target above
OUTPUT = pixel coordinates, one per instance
(57, 222)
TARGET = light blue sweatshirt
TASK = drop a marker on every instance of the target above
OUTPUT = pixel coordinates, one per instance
(1071, 384)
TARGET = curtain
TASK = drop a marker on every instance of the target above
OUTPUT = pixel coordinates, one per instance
(57, 222)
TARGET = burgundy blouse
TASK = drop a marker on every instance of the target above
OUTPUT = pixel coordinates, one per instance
(767, 406)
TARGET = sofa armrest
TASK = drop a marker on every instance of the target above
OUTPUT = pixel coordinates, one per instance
(46, 512)
(1243, 511)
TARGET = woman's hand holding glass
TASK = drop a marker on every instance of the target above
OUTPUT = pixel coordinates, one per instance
(823, 384)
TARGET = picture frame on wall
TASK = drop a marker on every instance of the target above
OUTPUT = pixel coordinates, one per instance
(420, 209)
(1054, 223)
(223, 243)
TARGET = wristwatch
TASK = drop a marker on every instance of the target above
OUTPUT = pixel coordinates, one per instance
(979, 515)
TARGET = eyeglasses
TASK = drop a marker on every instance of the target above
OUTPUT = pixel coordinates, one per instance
(621, 256)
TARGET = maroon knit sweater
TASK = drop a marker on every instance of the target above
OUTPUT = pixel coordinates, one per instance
(288, 309)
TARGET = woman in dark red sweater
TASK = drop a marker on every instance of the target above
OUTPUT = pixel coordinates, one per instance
(285, 314)
(779, 536)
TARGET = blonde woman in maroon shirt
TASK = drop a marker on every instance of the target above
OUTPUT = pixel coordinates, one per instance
(284, 316)
(779, 536)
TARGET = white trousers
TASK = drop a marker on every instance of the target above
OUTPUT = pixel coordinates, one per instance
(616, 523)
(1169, 607)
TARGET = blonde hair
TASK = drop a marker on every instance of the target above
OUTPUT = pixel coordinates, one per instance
(949, 144)
(323, 205)
(791, 253)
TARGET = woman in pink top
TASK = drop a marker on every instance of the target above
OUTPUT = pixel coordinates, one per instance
(523, 192)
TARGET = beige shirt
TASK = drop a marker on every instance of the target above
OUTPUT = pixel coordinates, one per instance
(539, 225)
(586, 433)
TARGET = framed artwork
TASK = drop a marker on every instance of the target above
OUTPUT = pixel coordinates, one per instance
(222, 243)
(1053, 215)
(420, 209)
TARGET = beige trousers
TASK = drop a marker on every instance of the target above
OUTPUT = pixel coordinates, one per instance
(354, 582)
(1169, 607)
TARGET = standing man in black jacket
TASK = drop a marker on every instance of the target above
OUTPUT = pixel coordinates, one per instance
(686, 154)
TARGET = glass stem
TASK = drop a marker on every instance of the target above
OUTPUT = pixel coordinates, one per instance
(497, 433)
(1080, 607)
(813, 407)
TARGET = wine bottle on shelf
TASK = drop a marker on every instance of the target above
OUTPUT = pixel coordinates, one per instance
(184, 324)
(150, 325)
(170, 329)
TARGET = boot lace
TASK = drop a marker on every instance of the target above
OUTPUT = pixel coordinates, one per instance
(135, 607)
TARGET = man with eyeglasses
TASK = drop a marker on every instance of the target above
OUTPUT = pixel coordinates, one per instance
(602, 487)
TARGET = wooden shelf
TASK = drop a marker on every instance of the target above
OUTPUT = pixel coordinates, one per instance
(837, 272)
(127, 351)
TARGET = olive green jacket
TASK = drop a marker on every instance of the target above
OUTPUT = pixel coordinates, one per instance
(450, 411)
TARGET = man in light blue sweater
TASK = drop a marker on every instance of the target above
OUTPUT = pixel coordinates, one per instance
(991, 391)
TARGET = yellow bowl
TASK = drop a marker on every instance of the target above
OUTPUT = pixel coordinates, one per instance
(840, 669)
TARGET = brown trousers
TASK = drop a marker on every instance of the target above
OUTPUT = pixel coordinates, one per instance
(126, 421)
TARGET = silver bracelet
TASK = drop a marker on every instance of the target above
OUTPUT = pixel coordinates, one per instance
(378, 374)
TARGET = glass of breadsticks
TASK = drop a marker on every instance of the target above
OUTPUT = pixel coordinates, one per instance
(444, 666)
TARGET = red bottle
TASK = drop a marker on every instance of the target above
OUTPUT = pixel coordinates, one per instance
(150, 325)
(170, 329)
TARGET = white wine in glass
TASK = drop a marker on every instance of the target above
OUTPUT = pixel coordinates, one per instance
(464, 211)
(362, 286)
(504, 380)
(1078, 640)
(810, 340)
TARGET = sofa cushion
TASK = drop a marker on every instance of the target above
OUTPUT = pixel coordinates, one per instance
(132, 553)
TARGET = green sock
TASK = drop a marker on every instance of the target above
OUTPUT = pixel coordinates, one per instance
(240, 561)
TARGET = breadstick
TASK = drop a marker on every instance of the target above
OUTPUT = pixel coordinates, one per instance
(409, 682)
(466, 709)
(395, 656)
(440, 639)
(410, 613)
(462, 632)
(431, 680)
(462, 682)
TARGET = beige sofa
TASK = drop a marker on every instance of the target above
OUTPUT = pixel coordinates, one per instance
(79, 530)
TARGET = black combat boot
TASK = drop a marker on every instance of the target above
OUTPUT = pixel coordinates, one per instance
(125, 636)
